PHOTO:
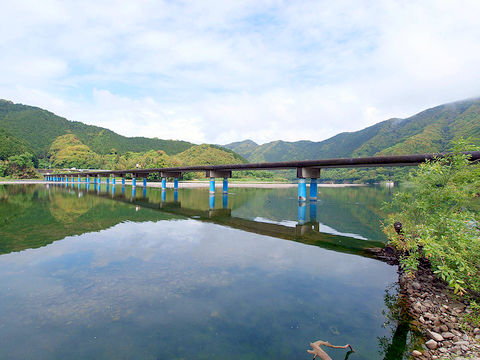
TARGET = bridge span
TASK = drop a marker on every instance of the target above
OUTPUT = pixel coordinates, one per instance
(306, 169)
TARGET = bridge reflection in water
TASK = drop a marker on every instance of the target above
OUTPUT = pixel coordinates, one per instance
(305, 230)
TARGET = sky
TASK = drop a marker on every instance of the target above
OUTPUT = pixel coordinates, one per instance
(228, 70)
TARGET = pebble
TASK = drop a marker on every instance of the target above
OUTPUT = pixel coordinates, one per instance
(444, 329)
(447, 335)
(435, 336)
(416, 353)
(431, 344)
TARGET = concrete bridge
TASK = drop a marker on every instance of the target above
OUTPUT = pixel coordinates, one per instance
(306, 169)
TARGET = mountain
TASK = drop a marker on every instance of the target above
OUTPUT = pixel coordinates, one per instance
(11, 145)
(428, 131)
(36, 129)
(206, 154)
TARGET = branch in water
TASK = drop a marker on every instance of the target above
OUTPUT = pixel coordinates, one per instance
(318, 351)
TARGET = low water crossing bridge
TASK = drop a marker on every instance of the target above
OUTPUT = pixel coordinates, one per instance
(306, 169)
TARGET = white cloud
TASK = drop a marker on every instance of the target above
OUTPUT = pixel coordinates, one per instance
(226, 71)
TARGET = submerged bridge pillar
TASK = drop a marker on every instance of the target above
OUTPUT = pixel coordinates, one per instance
(171, 174)
(225, 174)
(307, 173)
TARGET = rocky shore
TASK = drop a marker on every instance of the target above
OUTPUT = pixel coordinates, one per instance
(440, 317)
(436, 312)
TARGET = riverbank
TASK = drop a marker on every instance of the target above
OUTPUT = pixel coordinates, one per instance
(198, 184)
(438, 314)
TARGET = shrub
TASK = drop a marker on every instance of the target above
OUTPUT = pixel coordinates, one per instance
(440, 221)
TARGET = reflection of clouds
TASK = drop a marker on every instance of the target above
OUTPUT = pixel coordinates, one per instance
(110, 271)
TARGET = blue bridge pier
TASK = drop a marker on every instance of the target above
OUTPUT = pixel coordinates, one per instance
(307, 173)
(170, 174)
(212, 174)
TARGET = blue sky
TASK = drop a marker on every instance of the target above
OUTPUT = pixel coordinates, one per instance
(222, 71)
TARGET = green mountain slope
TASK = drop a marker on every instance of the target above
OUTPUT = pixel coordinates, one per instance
(10, 145)
(206, 154)
(38, 128)
(429, 131)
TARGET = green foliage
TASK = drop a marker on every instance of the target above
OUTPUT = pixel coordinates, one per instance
(37, 129)
(439, 218)
(19, 166)
(10, 145)
(474, 317)
(69, 152)
(206, 154)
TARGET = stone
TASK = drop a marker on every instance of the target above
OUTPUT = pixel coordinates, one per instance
(431, 344)
(461, 342)
(416, 285)
(448, 335)
(476, 331)
(416, 353)
(435, 336)
(444, 328)
(418, 307)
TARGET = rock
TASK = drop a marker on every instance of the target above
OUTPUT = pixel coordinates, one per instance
(416, 353)
(456, 332)
(431, 344)
(448, 335)
(461, 342)
(418, 307)
(428, 315)
(416, 285)
(476, 331)
(444, 328)
(435, 336)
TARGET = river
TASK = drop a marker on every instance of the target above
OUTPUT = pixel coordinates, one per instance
(104, 273)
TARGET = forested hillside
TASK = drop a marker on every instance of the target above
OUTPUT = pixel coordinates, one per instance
(429, 131)
(38, 128)
(32, 137)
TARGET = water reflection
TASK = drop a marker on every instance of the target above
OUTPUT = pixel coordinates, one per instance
(136, 281)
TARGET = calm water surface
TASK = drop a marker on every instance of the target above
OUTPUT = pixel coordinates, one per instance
(103, 274)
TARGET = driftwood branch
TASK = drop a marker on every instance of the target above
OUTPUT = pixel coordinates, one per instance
(322, 355)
